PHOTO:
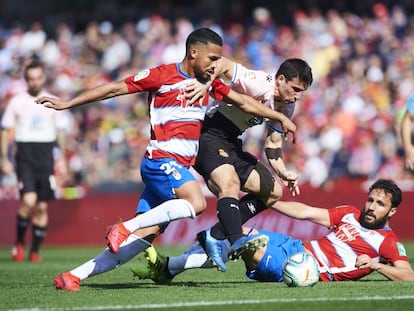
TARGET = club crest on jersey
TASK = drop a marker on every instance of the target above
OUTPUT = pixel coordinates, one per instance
(141, 75)
(176, 175)
(223, 153)
(347, 232)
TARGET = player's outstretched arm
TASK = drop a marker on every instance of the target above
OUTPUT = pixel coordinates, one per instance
(252, 106)
(399, 271)
(101, 92)
(303, 211)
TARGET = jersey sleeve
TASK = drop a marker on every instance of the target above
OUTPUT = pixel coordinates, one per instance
(146, 80)
(336, 213)
(251, 82)
(219, 90)
(392, 250)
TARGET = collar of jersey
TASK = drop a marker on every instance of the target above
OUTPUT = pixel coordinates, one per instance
(181, 72)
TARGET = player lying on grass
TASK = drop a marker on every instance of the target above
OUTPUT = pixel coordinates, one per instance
(360, 242)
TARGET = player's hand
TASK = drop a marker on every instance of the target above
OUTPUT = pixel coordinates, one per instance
(364, 262)
(290, 180)
(51, 102)
(195, 91)
(289, 127)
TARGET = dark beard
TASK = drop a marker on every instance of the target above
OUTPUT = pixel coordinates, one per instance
(34, 92)
(203, 80)
(377, 224)
(200, 76)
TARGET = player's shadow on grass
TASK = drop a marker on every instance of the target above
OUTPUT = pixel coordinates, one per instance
(209, 284)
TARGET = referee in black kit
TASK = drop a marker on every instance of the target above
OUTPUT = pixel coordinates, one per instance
(36, 131)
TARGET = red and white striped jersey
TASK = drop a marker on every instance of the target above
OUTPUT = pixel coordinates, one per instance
(175, 127)
(337, 252)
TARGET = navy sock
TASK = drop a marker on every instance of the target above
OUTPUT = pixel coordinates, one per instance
(218, 232)
(38, 235)
(249, 207)
(22, 224)
(229, 216)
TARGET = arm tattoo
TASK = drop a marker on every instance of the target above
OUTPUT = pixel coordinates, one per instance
(273, 153)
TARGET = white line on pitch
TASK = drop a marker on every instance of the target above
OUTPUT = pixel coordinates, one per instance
(219, 303)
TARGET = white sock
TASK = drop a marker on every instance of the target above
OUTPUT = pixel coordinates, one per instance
(163, 213)
(107, 260)
(195, 257)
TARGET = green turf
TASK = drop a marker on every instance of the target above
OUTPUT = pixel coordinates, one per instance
(27, 286)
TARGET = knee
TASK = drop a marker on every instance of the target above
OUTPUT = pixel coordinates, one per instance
(225, 181)
(275, 195)
(229, 188)
(199, 205)
(40, 209)
(28, 205)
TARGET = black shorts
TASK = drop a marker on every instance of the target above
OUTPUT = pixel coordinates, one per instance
(216, 150)
(32, 181)
(34, 168)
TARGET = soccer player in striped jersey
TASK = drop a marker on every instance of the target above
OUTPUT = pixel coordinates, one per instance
(360, 242)
(171, 191)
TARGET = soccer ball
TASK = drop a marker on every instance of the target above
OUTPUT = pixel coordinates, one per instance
(300, 270)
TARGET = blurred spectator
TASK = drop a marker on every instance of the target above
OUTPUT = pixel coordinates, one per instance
(407, 134)
(33, 40)
(364, 159)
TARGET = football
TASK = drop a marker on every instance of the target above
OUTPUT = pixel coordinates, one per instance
(300, 270)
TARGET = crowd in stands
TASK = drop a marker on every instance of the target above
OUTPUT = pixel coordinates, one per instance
(348, 121)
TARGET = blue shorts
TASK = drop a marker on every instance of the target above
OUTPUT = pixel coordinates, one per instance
(279, 247)
(161, 177)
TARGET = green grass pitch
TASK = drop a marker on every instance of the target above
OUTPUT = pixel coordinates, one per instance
(28, 286)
